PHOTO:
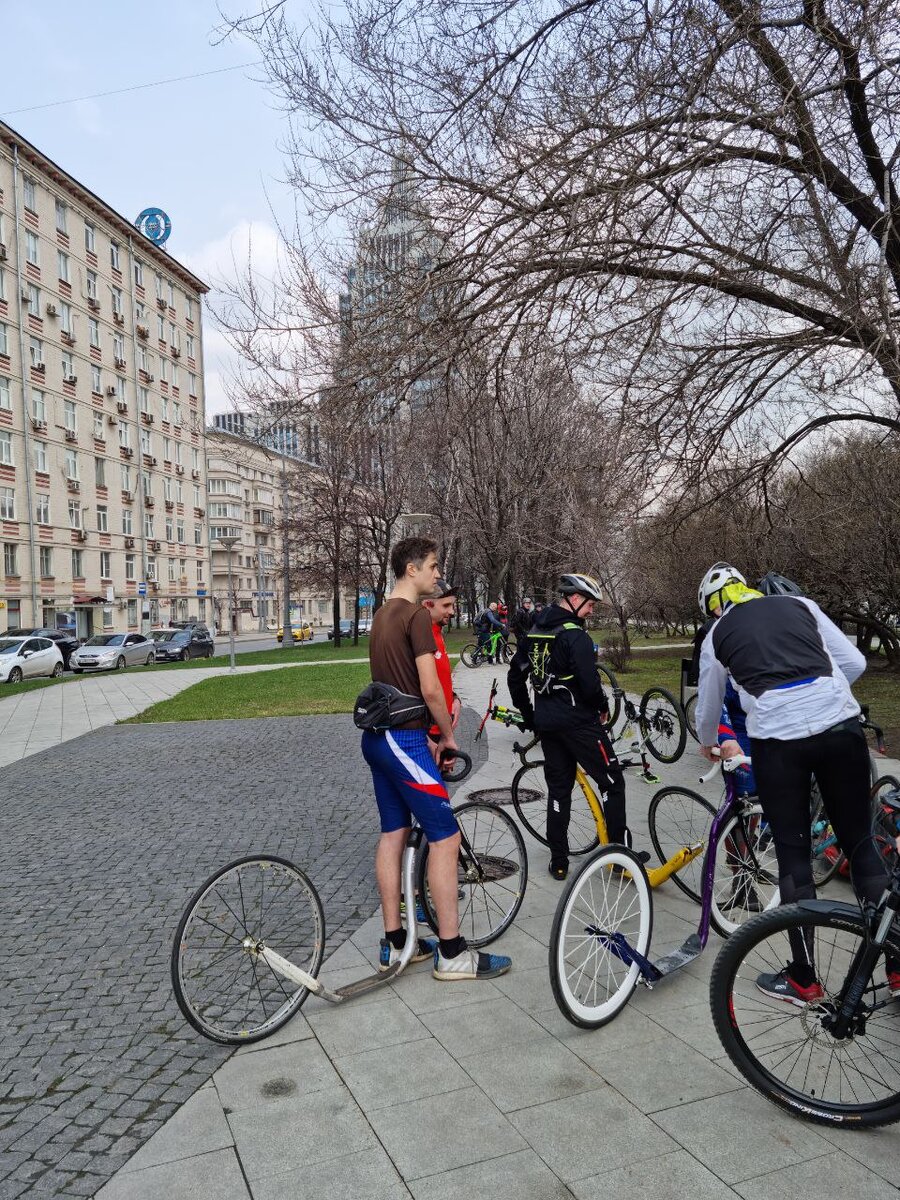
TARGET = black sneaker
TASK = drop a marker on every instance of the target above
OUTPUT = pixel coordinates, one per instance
(558, 872)
(782, 987)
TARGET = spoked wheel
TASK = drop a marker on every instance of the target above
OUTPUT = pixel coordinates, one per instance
(225, 990)
(467, 656)
(790, 1053)
(827, 856)
(679, 817)
(492, 873)
(529, 797)
(745, 877)
(689, 710)
(604, 914)
(662, 725)
(611, 687)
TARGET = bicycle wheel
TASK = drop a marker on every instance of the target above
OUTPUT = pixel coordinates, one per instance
(529, 797)
(469, 656)
(662, 724)
(827, 856)
(604, 914)
(745, 875)
(492, 873)
(679, 817)
(223, 988)
(689, 709)
(788, 1053)
(611, 687)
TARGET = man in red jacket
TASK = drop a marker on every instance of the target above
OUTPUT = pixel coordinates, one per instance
(443, 608)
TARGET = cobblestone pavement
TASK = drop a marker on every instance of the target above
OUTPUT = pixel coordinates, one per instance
(101, 843)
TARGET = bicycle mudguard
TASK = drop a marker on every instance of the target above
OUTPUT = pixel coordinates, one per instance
(690, 948)
(836, 908)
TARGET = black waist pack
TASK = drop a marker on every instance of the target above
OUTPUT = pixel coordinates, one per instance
(381, 706)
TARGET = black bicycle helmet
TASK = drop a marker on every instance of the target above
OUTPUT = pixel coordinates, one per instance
(774, 584)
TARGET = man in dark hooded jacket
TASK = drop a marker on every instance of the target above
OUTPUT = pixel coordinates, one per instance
(558, 658)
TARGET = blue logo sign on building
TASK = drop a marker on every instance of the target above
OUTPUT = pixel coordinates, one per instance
(155, 225)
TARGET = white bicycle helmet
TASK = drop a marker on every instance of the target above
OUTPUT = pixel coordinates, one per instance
(583, 584)
(718, 576)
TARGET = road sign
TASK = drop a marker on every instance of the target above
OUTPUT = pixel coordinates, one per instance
(142, 589)
(264, 595)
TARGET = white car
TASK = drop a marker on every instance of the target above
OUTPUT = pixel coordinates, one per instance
(28, 657)
(113, 652)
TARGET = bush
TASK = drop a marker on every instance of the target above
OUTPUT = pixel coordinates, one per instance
(616, 652)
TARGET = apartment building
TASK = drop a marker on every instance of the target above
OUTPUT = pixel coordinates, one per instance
(102, 464)
(246, 501)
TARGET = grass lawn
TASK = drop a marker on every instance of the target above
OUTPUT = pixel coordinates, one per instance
(285, 693)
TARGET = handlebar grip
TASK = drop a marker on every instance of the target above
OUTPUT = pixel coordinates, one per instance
(455, 765)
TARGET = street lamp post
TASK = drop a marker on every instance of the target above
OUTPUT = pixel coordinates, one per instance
(229, 543)
(287, 635)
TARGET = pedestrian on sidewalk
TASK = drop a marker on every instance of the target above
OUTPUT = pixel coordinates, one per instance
(405, 771)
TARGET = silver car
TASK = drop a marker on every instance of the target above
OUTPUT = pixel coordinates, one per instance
(112, 652)
(25, 658)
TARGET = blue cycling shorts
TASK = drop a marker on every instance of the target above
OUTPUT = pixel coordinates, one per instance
(407, 783)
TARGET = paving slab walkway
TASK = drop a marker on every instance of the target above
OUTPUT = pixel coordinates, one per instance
(439, 1091)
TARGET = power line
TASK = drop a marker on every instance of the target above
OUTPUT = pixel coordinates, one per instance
(137, 87)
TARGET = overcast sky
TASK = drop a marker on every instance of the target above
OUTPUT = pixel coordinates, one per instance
(207, 150)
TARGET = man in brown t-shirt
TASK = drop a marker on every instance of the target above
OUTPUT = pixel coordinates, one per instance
(405, 773)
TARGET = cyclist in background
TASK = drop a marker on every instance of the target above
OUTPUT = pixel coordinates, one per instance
(558, 659)
(487, 623)
(792, 669)
(523, 619)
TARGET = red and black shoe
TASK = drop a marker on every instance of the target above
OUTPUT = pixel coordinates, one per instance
(782, 987)
(893, 982)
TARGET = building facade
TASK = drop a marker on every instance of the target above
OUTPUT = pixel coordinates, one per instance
(246, 501)
(102, 465)
(280, 429)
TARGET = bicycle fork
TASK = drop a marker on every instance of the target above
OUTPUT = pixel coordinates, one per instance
(844, 1021)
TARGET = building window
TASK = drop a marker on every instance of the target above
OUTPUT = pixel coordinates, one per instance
(163, 369)
(34, 300)
(192, 384)
(114, 256)
(29, 188)
(125, 435)
(90, 238)
(178, 453)
(94, 332)
(167, 487)
(171, 570)
(132, 612)
(171, 293)
(37, 352)
(91, 285)
(46, 561)
(179, 531)
(138, 273)
(98, 427)
(196, 495)
(117, 301)
(100, 470)
(74, 514)
(68, 364)
(199, 572)
(126, 477)
(159, 287)
(7, 504)
(6, 449)
(105, 564)
(107, 612)
(10, 560)
(160, 329)
(42, 509)
(198, 534)
(5, 401)
(129, 567)
(179, 491)
(71, 467)
(4, 340)
(69, 416)
(167, 450)
(77, 564)
(127, 527)
(189, 308)
(148, 525)
(65, 319)
(145, 442)
(96, 381)
(144, 399)
(40, 457)
(62, 266)
(170, 530)
(175, 375)
(176, 412)
(61, 214)
(195, 459)
(32, 249)
(165, 408)
(102, 519)
(2, 285)
(118, 346)
(151, 566)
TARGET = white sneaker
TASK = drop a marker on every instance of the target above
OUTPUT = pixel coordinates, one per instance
(469, 964)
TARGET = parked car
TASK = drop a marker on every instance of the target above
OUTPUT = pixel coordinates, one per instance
(174, 645)
(66, 641)
(301, 633)
(113, 652)
(346, 630)
(27, 657)
(188, 625)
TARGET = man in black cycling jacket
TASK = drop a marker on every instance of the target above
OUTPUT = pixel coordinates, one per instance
(792, 668)
(559, 659)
